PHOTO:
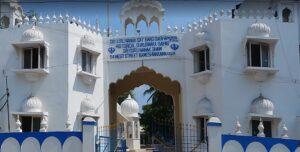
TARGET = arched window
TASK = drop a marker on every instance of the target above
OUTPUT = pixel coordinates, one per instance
(154, 25)
(286, 15)
(129, 27)
(4, 22)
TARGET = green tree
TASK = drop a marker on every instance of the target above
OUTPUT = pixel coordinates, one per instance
(157, 118)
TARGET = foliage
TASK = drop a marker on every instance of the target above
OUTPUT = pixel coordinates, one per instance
(157, 117)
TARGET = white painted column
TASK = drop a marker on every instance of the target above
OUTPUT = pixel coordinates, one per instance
(214, 132)
(88, 134)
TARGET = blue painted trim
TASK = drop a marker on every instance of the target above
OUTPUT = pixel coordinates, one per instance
(40, 136)
(89, 123)
(267, 142)
(214, 124)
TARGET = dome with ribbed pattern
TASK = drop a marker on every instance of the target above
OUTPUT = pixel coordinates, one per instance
(32, 104)
(130, 107)
(262, 105)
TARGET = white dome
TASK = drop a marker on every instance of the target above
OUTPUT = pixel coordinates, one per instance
(204, 106)
(130, 107)
(87, 106)
(259, 29)
(262, 105)
(87, 40)
(32, 34)
(32, 104)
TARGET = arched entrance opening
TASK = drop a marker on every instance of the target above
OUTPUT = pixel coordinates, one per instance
(140, 76)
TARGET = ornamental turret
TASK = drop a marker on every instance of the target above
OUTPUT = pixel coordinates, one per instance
(135, 11)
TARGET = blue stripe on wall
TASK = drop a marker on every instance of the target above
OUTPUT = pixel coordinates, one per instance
(40, 136)
(267, 142)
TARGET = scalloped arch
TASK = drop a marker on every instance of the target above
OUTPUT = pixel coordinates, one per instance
(140, 76)
(141, 18)
(137, 78)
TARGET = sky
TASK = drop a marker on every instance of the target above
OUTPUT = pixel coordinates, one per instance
(177, 12)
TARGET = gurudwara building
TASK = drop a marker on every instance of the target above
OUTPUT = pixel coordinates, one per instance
(242, 62)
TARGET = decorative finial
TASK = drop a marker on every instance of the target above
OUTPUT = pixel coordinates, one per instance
(222, 12)
(26, 20)
(47, 19)
(169, 29)
(215, 15)
(284, 131)
(67, 17)
(175, 29)
(61, 18)
(182, 29)
(44, 124)
(190, 27)
(41, 19)
(238, 127)
(210, 18)
(261, 129)
(18, 124)
(73, 19)
(129, 96)
(68, 124)
(34, 20)
(54, 18)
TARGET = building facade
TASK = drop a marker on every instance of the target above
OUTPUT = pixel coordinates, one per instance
(242, 62)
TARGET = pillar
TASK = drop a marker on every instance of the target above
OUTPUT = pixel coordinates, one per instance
(214, 132)
(88, 134)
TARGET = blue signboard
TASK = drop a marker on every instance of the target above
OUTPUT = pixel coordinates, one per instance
(143, 47)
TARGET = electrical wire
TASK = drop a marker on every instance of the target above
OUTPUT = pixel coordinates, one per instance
(3, 96)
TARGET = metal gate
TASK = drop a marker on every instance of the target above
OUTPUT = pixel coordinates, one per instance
(160, 138)
(104, 141)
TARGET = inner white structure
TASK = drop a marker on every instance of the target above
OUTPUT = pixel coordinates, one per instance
(240, 62)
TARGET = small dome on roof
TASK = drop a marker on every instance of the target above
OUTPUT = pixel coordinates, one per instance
(87, 106)
(204, 106)
(87, 40)
(259, 29)
(32, 104)
(262, 105)
(130, 107)
(32, 34)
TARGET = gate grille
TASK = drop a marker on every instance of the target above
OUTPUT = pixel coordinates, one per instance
(161, 139)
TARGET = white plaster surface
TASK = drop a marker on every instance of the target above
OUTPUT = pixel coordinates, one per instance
(72, 144)
(232, 146)
(10, 145)
(256, 147)
(51, 144)
(279, 148)
(30, 144)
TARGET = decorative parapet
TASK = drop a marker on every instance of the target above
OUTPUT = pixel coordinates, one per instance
(200, 25)
(252, 143)
(60, 19)
(41, 141)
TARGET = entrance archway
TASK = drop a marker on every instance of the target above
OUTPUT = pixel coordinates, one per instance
(140, 76)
